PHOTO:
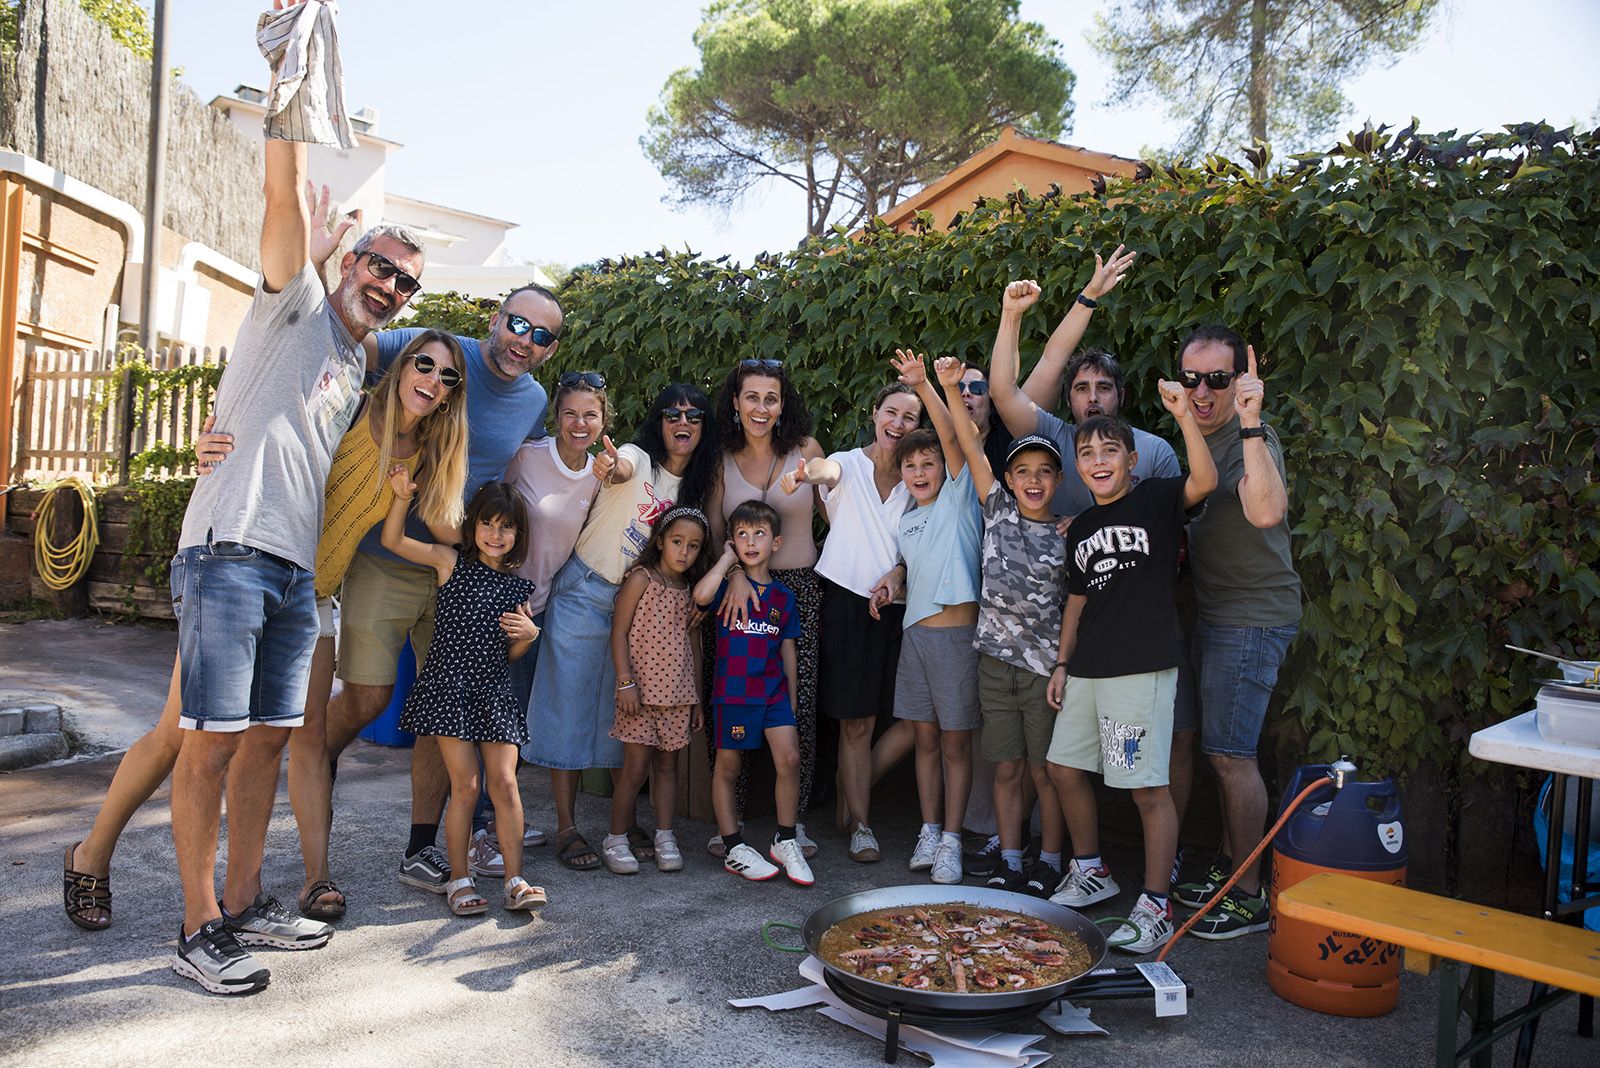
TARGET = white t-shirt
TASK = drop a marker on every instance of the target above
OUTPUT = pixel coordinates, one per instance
(558, 500)
(622, 515)
(863, 530)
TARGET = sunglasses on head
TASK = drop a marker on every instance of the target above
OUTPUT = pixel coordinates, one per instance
(536, 334)
(1213, 379)
(680, 415)
(761, 365)
(592, 379)
(449, 377)
(382, 267)
(977, 389)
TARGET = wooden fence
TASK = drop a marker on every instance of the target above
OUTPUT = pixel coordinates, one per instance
(73, 420)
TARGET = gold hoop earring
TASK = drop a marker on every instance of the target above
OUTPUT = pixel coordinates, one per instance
(444, 407)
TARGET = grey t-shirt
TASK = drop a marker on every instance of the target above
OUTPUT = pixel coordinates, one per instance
(1156, 460)
(1024, 585)
(1243, 575)
(290, 389)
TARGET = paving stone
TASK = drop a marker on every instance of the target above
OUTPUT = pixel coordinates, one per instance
(12, 721)
(25, 750)
(42, 719)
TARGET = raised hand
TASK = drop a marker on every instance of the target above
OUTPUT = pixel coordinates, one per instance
(326, 233)
(1020, 296)
(910, 366)
(1174, 398)
(793, 480)
(606, 462)
(949, 371)
(1108, 272)
(1248, 392)
(400, 482)
(211, 448)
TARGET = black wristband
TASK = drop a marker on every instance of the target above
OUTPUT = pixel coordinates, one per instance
(1062, 664)
(1087, 302)
(1252, 432)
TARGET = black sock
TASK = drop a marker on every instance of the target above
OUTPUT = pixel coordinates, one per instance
(785, 833)
(731, 840)
(423, 835)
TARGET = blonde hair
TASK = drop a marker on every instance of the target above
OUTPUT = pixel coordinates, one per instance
(441, 469)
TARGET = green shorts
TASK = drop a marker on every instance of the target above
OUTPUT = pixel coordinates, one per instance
(1017, 719)
(1120, 727)
(382, 602)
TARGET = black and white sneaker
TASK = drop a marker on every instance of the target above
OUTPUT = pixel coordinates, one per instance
(426, 869)
(213, 957)
(267, 923)
(1007, 878)
(986, 861)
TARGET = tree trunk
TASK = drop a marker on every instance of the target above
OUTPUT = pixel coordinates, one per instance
(1260, 83)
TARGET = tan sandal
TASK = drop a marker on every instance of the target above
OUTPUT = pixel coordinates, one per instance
(463, 898)
(521, 897)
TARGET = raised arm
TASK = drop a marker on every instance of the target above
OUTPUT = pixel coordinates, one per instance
(913, 372)
(817, 471)
(442, 558)
(1202, 469)
(705, 591)
(1020, 414)
(285, 230)
(1044, 384)
(1262, 493)
(962, 428)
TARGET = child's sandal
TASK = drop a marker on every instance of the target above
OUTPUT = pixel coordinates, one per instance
(521, 897)
(463, 898)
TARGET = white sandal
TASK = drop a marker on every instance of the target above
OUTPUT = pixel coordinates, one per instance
(463, 898)
(618, 856)
(522, 897)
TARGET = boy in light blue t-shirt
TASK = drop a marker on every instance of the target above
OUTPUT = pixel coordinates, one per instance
(936, 684)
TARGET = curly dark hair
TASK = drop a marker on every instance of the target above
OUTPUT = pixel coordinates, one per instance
(705, 463)
(793, 426)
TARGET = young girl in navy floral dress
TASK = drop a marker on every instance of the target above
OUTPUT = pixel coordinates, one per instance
(463, 696)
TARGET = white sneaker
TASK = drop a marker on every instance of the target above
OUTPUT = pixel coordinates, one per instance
(864, 846)
(947, 861)
(618, 858)
(745, 861)
(1147, 927)
(668, 856)
(807, 846)
(485, 857)
(927, 846)
(791, 857)
(1082, 888)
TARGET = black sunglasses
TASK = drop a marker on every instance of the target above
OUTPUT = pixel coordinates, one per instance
(536, 334)
(679, 415)
(382, 267)
(1214, 379)
(761, 365)
(449, 377)
(977, 389)
(592, 379)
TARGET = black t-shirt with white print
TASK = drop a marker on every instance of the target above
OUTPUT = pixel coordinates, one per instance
(1123, 556)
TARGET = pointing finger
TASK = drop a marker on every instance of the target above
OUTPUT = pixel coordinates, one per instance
(1250, 355)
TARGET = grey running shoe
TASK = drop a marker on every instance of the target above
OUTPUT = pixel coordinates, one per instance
(426, 869)
(268, 923)
(214, 958)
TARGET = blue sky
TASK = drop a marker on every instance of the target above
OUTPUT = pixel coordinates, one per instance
(532, 109)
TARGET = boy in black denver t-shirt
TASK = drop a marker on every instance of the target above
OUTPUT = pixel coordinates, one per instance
(1117, 672)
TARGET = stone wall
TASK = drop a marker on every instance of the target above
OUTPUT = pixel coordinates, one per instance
(79, 101)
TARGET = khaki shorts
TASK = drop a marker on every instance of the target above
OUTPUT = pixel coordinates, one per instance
(1120, 727)
(1017, 720)
(382, 602)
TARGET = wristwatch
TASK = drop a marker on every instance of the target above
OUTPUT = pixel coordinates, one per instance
(1088, 302)
(1252, 432)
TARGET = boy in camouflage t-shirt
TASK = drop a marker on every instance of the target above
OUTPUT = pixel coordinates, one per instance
(1019, 616)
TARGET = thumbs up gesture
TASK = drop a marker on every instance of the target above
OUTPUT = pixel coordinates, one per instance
(792, 480)
(606, 462)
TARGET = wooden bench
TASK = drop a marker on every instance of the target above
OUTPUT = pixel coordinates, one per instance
(1438, 932)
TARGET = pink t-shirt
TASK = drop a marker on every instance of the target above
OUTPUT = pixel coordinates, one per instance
(558, 500)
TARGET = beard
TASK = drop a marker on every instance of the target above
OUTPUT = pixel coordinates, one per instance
(358, 313)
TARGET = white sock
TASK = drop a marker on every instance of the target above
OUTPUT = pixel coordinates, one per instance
(1052, 859)
(950, 836)
(1013, 858)
(932, 828)
(1093, 863)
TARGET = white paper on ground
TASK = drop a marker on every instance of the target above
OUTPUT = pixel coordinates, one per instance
(1171, 994)
(1067, 1019)
(792, 999)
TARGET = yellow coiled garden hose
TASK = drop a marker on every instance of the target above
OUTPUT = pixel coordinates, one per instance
(61, 566)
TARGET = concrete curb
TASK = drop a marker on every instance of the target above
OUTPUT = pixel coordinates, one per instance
(31, 734)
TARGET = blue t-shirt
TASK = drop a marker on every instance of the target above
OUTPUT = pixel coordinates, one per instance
(750, 660)
(501, 415)
(940, 545)
(1156, 460)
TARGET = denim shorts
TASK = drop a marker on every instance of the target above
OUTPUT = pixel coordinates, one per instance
(247, 626)
(1235, 671)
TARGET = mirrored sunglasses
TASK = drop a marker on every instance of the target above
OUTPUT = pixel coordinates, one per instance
(522, 328)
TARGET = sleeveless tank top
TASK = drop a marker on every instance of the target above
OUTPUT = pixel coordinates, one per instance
(799, 548)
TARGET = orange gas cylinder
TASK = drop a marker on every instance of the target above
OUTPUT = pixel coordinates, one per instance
(1355, 830)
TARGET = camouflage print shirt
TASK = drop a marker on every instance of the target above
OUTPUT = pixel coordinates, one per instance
(1024, 585)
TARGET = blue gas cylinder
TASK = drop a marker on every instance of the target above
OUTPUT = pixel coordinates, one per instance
(385, 730)
(1356, 830)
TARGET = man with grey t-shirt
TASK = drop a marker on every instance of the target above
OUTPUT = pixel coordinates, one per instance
(241, 581)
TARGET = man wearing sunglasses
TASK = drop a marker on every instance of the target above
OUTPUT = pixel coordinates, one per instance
(245, 556)
(1248, 600)
(385, 600)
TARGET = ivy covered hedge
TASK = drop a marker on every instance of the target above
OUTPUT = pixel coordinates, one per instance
(1426, 311)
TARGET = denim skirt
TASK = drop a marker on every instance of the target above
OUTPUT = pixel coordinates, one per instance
(574, 698)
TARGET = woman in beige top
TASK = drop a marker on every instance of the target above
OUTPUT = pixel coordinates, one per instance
(766, 430)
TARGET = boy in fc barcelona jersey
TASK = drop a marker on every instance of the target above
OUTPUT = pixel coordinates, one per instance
(752, 691)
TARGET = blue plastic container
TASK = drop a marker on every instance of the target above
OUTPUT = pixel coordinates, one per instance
(385, 730)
